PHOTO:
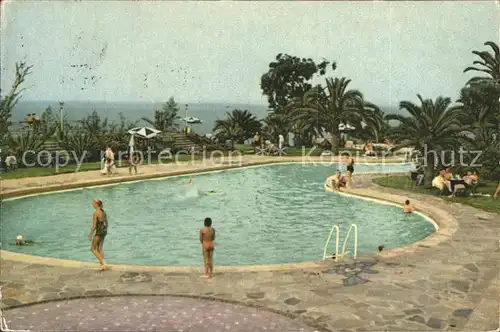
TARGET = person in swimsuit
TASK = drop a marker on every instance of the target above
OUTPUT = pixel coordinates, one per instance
(350, 165)
(407, 207)
(338, 181)
(21, 242)
(133, 161)
(100, 227)
(207, 238)
(350, 170)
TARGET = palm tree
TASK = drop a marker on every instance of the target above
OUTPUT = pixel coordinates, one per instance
(227, 130)
(79, 141)
(330, 107)
(373, 127)
(430, 128)
(165, 119)
(489, 64)
(238, 126)
(26, 145)
(276, 124)
(480, 103)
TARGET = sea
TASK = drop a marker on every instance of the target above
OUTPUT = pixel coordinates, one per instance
(134, 111)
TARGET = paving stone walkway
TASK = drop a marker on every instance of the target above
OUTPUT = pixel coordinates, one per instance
(452, 286)
(148, 313)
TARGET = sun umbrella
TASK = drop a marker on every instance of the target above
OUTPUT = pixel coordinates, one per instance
(191, 119)
(347, 126)
(144, 132)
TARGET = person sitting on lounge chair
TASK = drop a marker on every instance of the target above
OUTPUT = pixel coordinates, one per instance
(417, 175)
(439, 182)
(471, 179)
(453, 182)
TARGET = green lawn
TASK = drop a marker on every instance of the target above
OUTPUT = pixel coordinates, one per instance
(484, 203)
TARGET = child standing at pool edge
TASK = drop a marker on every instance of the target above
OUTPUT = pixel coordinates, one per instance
(207, 238)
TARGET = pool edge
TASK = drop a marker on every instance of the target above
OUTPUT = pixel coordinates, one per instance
(446, 227)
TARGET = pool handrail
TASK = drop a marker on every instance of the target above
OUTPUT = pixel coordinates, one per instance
(355, 227)
(337, 238)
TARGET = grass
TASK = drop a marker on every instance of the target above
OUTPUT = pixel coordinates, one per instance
(484, 203)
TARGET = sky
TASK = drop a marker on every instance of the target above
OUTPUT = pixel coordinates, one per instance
(217, 51)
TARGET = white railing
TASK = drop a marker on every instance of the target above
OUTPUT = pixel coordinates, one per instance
(355, 254)
(337, 238)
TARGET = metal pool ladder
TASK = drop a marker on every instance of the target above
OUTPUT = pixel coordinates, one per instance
(337, 238)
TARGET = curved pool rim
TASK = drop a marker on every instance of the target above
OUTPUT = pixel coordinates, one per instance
(443, 229)
(108, 182)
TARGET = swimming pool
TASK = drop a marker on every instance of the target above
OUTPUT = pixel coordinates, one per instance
(263, 215)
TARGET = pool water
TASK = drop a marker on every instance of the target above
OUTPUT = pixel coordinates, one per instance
(263, 215)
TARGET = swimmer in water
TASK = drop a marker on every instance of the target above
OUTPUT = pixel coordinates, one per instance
(407, 207)
(190, 181)
(21, 242)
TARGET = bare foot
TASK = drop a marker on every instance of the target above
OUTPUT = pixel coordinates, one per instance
(205, 276)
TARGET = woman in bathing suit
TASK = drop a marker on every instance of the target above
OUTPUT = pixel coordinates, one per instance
(350, 170)
(207, 237)
(350, 166)
(100, 227)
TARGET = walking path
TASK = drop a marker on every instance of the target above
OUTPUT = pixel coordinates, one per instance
(447, 282)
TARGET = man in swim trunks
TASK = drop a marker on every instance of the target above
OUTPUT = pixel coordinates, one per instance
(207, 238)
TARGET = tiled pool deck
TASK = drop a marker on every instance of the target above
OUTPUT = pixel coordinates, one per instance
(450, 281)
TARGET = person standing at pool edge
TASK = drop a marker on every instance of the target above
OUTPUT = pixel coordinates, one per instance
(100, 227)
(350, 170)
(207, 238)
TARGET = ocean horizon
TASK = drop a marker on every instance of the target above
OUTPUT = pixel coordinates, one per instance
(134, 111)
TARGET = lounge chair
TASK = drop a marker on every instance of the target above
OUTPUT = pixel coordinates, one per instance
(438, 183)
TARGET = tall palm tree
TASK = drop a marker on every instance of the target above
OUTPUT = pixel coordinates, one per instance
(373, 126)
(238, 126)
(431, 128)
(330, 107)
(489, 64)
(480, 103)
